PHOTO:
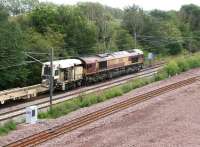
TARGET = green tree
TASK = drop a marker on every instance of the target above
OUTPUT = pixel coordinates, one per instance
(190, 18)
(16, 7)
(158, 30)
(11, 53)
(190, 14)
(44, 16)
(79, 34)
(124, 40)
(133, 19)
(102, 18)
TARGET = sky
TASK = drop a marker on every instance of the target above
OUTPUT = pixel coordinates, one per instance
(145, 4)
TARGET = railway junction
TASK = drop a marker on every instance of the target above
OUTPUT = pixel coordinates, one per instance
(162, 113)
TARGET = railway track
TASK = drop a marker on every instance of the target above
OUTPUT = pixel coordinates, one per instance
(12, 92)
(94, 116)
(16, 112)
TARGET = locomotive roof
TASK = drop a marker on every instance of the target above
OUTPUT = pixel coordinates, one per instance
(65, 63)
(92, 59)
(138, 51)
(109, 56)
(119, 54)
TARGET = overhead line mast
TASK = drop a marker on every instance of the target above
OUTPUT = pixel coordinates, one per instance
(51, 80)
(135, 36)
(51, 77)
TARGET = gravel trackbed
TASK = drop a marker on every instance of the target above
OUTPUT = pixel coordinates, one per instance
(170, 120)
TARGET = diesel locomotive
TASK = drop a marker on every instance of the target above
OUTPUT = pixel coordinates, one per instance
(77, 71)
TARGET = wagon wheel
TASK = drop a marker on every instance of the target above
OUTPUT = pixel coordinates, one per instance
(2, 102)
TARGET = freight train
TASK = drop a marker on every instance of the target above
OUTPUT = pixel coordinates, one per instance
(74, 72)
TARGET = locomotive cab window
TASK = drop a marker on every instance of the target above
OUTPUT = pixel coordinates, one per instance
(102, 65)
(47, 70)
(65, 74)
(134, 59)
(33, 113)
(89, 66)
(56, 72)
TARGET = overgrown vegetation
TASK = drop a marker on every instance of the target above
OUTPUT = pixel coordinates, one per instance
(178, 65)
(7, 127)
(174, 67)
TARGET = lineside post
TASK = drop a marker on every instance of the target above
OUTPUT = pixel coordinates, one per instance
(135, 39)
(190, 46)
(51, 77)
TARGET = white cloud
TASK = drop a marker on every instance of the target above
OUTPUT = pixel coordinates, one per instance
(145, 4)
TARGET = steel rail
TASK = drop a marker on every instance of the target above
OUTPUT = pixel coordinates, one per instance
(45, 104)
(10, 91)
(91, 117)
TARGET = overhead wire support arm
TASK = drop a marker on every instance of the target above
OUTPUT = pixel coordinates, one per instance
(36, 53)
(51, 80)
(33, 58)
(26, 62)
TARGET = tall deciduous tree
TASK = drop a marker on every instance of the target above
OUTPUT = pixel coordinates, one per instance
(134, 18)
(100, 16)
(11, 53)
(16, 7)
(124, 40)
(190, 18)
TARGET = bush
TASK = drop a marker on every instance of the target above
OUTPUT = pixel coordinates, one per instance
(172, 68)
(7, 127)
(193, 62)
(42, 115)
(183, 65)
(161, 75)
(174, 48)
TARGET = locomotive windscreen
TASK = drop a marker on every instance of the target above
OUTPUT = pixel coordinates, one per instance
(47, 70)
(102, 65)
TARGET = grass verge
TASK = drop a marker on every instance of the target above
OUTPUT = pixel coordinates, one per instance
(7, 127)
(93, 98)
(175, 66)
